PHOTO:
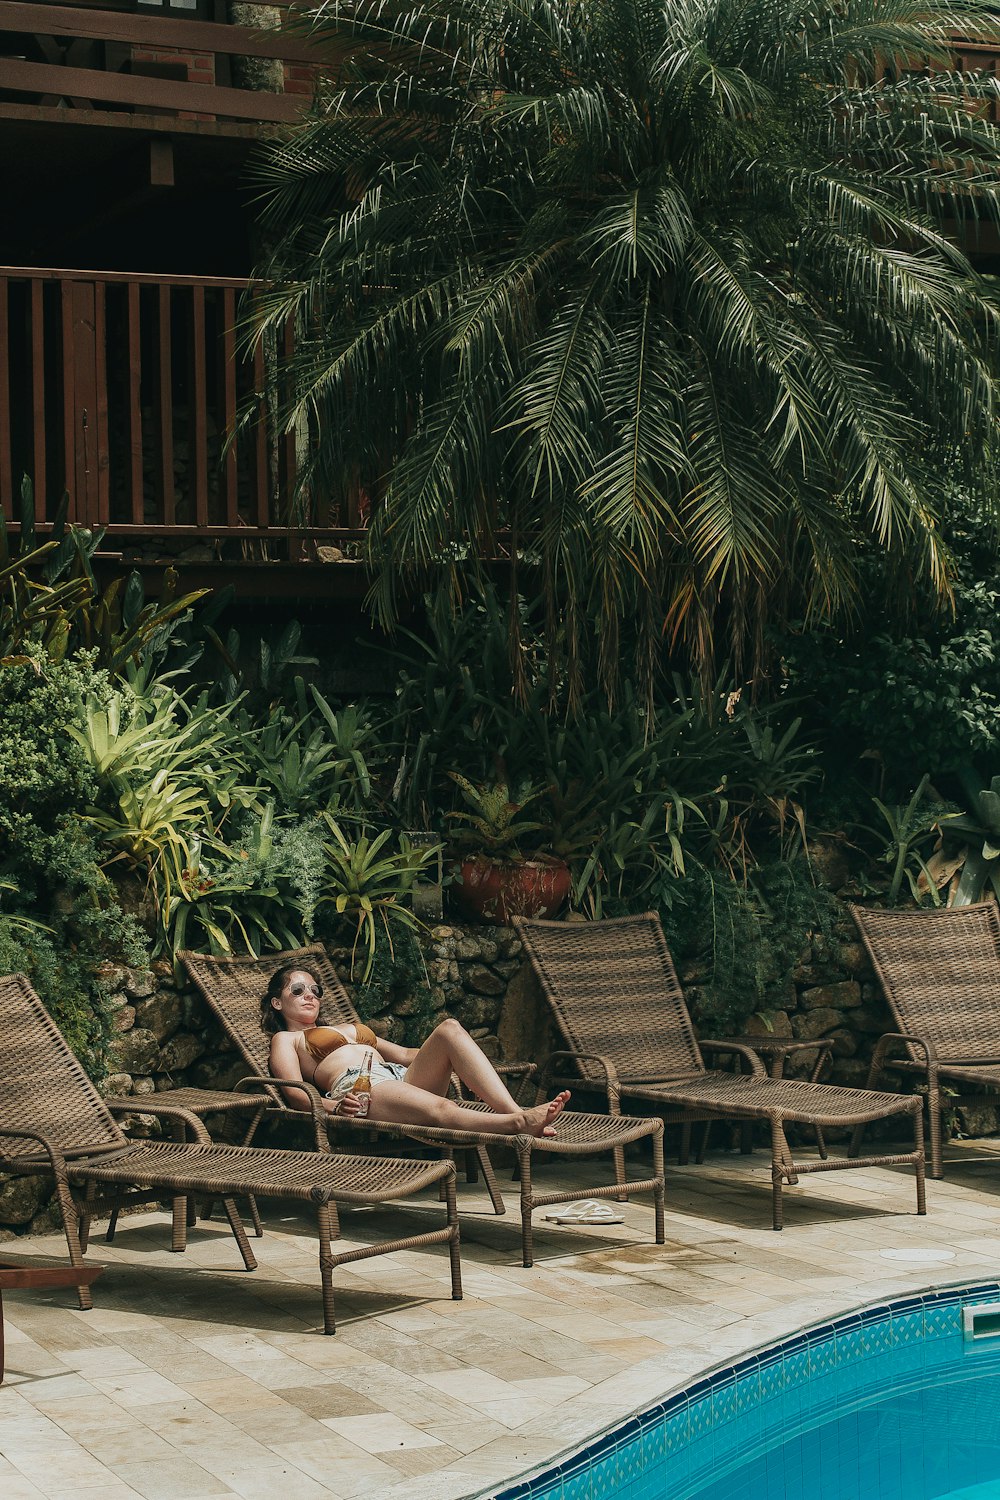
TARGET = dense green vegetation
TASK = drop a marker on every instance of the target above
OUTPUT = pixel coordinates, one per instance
(192, 797)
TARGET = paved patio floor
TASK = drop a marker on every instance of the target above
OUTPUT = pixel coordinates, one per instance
(191, 1379)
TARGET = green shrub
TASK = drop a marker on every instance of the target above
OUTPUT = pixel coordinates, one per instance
(49, 857)
(741, 940)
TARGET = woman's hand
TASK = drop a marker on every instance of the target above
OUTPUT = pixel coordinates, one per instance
(350, 1104)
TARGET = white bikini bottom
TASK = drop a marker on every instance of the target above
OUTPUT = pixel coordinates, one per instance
(381, 1072)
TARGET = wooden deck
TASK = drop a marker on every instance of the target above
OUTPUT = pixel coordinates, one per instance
(137, 396)
(74, 62)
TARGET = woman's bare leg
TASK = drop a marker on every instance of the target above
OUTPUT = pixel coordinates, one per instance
(450, 1049)
(406, 1104)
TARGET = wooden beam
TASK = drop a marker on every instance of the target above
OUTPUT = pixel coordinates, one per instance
(89, 119)
(154, 31)
(141, 278)
(123, 88)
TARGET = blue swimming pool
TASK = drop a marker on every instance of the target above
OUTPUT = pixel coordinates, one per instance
(896, 1402)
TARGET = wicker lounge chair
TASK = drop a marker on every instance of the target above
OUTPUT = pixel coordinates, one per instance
(618, 1004)
(232, 987)
(940, 972)
(53, 1119)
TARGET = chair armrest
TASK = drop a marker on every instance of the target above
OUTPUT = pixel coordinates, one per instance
(889, 1038)
(757, 1068)
(52, 1151)
(611, 1081)
(321, 1117)
(144, 1105)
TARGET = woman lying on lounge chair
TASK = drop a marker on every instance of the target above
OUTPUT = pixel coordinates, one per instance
(360, 1074)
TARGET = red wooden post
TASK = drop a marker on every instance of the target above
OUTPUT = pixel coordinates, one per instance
(69, 401)
(6, 416)
(85, 416)
(229, 404)
(262, 476)
(136, 509)
(37, 366)
(168, 507)
(199, 429)
(100, 347)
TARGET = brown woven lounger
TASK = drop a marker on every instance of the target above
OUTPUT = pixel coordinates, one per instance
(53, 1119)
(618, 1003)
(233, 987)
(940, 971)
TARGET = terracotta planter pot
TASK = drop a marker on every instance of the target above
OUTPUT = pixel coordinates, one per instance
(491, 890)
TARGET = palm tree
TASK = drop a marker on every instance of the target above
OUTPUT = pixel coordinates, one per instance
(666, 297)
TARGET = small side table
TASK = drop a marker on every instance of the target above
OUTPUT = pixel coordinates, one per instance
(773, 1051)
(38, 1276)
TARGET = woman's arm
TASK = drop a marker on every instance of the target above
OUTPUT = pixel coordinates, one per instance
(284, 1063)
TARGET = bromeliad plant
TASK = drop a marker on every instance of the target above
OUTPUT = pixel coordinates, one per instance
(316, 761)
(497, 825)
(49, 597)
(236, 897)
(169, 774)
(367, 881)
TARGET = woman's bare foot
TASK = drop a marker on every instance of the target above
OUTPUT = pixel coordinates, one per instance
(538, 1121)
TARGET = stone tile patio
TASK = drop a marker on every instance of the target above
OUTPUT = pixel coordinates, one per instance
(192, 1380)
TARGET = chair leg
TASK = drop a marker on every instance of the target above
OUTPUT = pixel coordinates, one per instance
(178, 1225)
(684, 1154)
(918, 1146)
(109, 1234)
(71, 1229)
(209, 1205)
(934, 1113)
(620, 1177)
(239, 1233)
(704, 1135)
(658, 1191)
(85, 1218)
(874, 1077)
(325, 1229)
(490, 1179)
(454, 1247)
(527, 1244)
(781, 1171)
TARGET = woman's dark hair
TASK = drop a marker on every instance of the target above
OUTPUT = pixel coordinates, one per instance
(271, 1020)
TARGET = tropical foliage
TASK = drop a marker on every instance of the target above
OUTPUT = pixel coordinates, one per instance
(657, 296)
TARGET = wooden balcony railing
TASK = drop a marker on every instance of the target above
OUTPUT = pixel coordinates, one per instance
(74, 60)
(126, 391)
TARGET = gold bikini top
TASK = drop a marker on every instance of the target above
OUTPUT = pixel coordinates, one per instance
(322, 1040)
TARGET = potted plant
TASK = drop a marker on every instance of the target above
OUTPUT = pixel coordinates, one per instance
(506, 871)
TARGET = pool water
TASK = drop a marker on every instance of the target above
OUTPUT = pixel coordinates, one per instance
(891, 1403)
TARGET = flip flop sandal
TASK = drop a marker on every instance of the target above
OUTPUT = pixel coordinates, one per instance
(588, 1211)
